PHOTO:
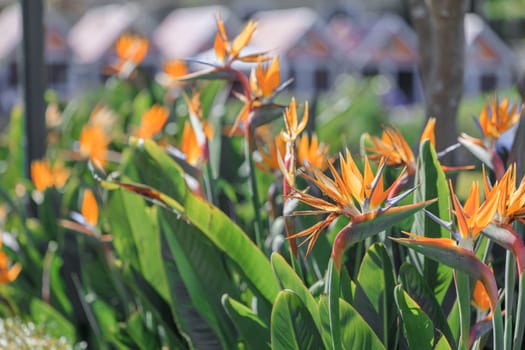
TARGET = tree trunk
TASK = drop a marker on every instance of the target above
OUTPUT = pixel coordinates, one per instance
(441, 36)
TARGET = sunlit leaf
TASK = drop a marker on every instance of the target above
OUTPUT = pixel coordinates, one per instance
(254, 332)
(355, 332)
(417, 326)
(292, 324)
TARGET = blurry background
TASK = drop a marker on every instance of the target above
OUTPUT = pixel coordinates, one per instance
(370, 45)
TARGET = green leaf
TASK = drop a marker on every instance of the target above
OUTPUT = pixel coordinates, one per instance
(252, 329)
(106, 319)
(417, 326)
(355, 332)
(137, 239)
(55, 324)
(414, 284)
(15, 156)
(58, 288)
(374, 294)
(292, 325)
(430, 183)
(138, 331)
(152, 304)
(157, 169)
(203, 272)
(288, 279)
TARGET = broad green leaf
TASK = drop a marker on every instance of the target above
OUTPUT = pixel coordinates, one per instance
(292, 325)
(430, 183)
(414, 284)
(58, 288)
(355, 332)
(137, 239)
(348, 287)
(374, 297)
(417, 326)
(138, 331)
(251, 328)
(202, 270)
(171, 320)
(55, 324)
(105, 318)
(288, 279)
(157, 169)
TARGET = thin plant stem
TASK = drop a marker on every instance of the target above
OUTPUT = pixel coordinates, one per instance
(520, 315)
(209, 184)
(497, 327)
(463, 294)
(510, 277)
(255, 195)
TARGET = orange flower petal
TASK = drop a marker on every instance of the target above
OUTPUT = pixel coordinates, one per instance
(153, 120)
(243, 38)
(41, 175)
(428, 132)
(89, 208)
(94, 144)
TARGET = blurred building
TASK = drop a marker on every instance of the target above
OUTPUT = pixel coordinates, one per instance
(307, 53)
(313, 50)
(186, 32)
(385, 46)
(92, 41)
(491, 64)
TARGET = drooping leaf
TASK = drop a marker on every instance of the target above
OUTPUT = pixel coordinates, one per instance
(157, 169)
(417, 326)
(430, 183)
(446, 252)
(292, 325)
(251, 328)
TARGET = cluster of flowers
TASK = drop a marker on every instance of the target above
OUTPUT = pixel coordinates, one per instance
(345, 190)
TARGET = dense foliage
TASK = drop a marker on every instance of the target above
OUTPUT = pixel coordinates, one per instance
(169, 216)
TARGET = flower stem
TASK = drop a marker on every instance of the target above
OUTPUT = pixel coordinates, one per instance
(510, 277)
(463, 293)
(520, 315)
(254, 195)
(208, 183)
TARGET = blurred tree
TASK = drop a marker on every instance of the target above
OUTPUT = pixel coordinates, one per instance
(441, 37)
